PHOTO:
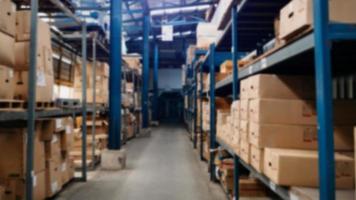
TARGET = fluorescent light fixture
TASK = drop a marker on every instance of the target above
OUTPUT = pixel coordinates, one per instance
(178, 10)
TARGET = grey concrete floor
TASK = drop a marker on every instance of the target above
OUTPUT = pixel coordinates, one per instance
(163, 166)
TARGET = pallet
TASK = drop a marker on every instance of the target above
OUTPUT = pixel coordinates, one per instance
(67, 103)
(20, 105)
(10, 104)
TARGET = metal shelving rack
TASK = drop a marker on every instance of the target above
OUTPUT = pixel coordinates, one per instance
(313, 49)
(31, 114)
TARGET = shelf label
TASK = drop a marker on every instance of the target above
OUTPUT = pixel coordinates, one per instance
(263, 63)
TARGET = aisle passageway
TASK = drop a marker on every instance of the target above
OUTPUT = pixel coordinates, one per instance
(163, 166)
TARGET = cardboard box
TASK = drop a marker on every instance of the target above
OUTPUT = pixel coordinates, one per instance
(7, 50)
(226, 67)
(15, 187)
(13, 152)
(280, 87)
(245, 151)
(67, 137)
(244, 109)
(283, 167)
(298, 15)
(8, 17)
(257, 158)
(44, 57)
(296, 136)
(53, 178)
(244, 130)
(67, 170)
(207, 33)
(44, 86)
(7, 82)
(277, 111)
(23, 28)
(244, 87)
(53, 149)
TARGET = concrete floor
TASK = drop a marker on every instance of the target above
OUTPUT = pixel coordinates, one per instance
(163, 166)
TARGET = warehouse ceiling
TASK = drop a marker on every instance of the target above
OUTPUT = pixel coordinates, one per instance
(183, 15)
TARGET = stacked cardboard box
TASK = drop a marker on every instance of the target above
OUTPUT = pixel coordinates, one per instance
(44, 74)
(7, 48)
(207, 33)
(298, 15)
(235, 126)
(52, 168)
(278, 127)
(13, 162)
(58, 136)
(101, 84)
(130, 122)
(99, 143)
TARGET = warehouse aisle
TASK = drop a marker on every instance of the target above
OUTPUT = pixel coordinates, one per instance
(163, 166)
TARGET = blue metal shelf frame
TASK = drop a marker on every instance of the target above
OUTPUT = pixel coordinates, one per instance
(145, 71)
(213, 145)
(155, 110)
(115, 75)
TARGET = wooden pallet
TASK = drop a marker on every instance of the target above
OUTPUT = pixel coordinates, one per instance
(10, 104)
(20, 105)
(67, 103)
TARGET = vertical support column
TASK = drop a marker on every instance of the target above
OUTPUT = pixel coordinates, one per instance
(155, 83)
(195, 103)
(31, 101)
(145, 72)
(94, 101)
(84, 101)
(235, 90)
(115, 76)
(324, 100)
(201, 112)
(212, 112)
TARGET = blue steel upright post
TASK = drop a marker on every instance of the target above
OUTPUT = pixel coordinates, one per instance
(235, 91)
(31, 101)
(115, 76)
(84, 101)
(145, 71)
(155, 83)
(201, 112)
(324, 100)
(195, 103)
(212, 112)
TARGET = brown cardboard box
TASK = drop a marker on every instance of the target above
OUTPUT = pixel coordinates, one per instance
(280, 87)
(244, 129)
(53, 149)
(2, 192)
(23, 28)
(48, 129)
(207, 34)
(7, 16)
(296, 136)
(67, 170)
(244, 109)
(7, 82)
(7, 50)
(44, 57)
(13, 152)
(283, 167)
(245, 151)
(298, 15)
(282, 111)
(226, 67)
(244, 86)
(44, 86)
(53, 178)
(256, 158)
(15, 187)
(67, 137)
